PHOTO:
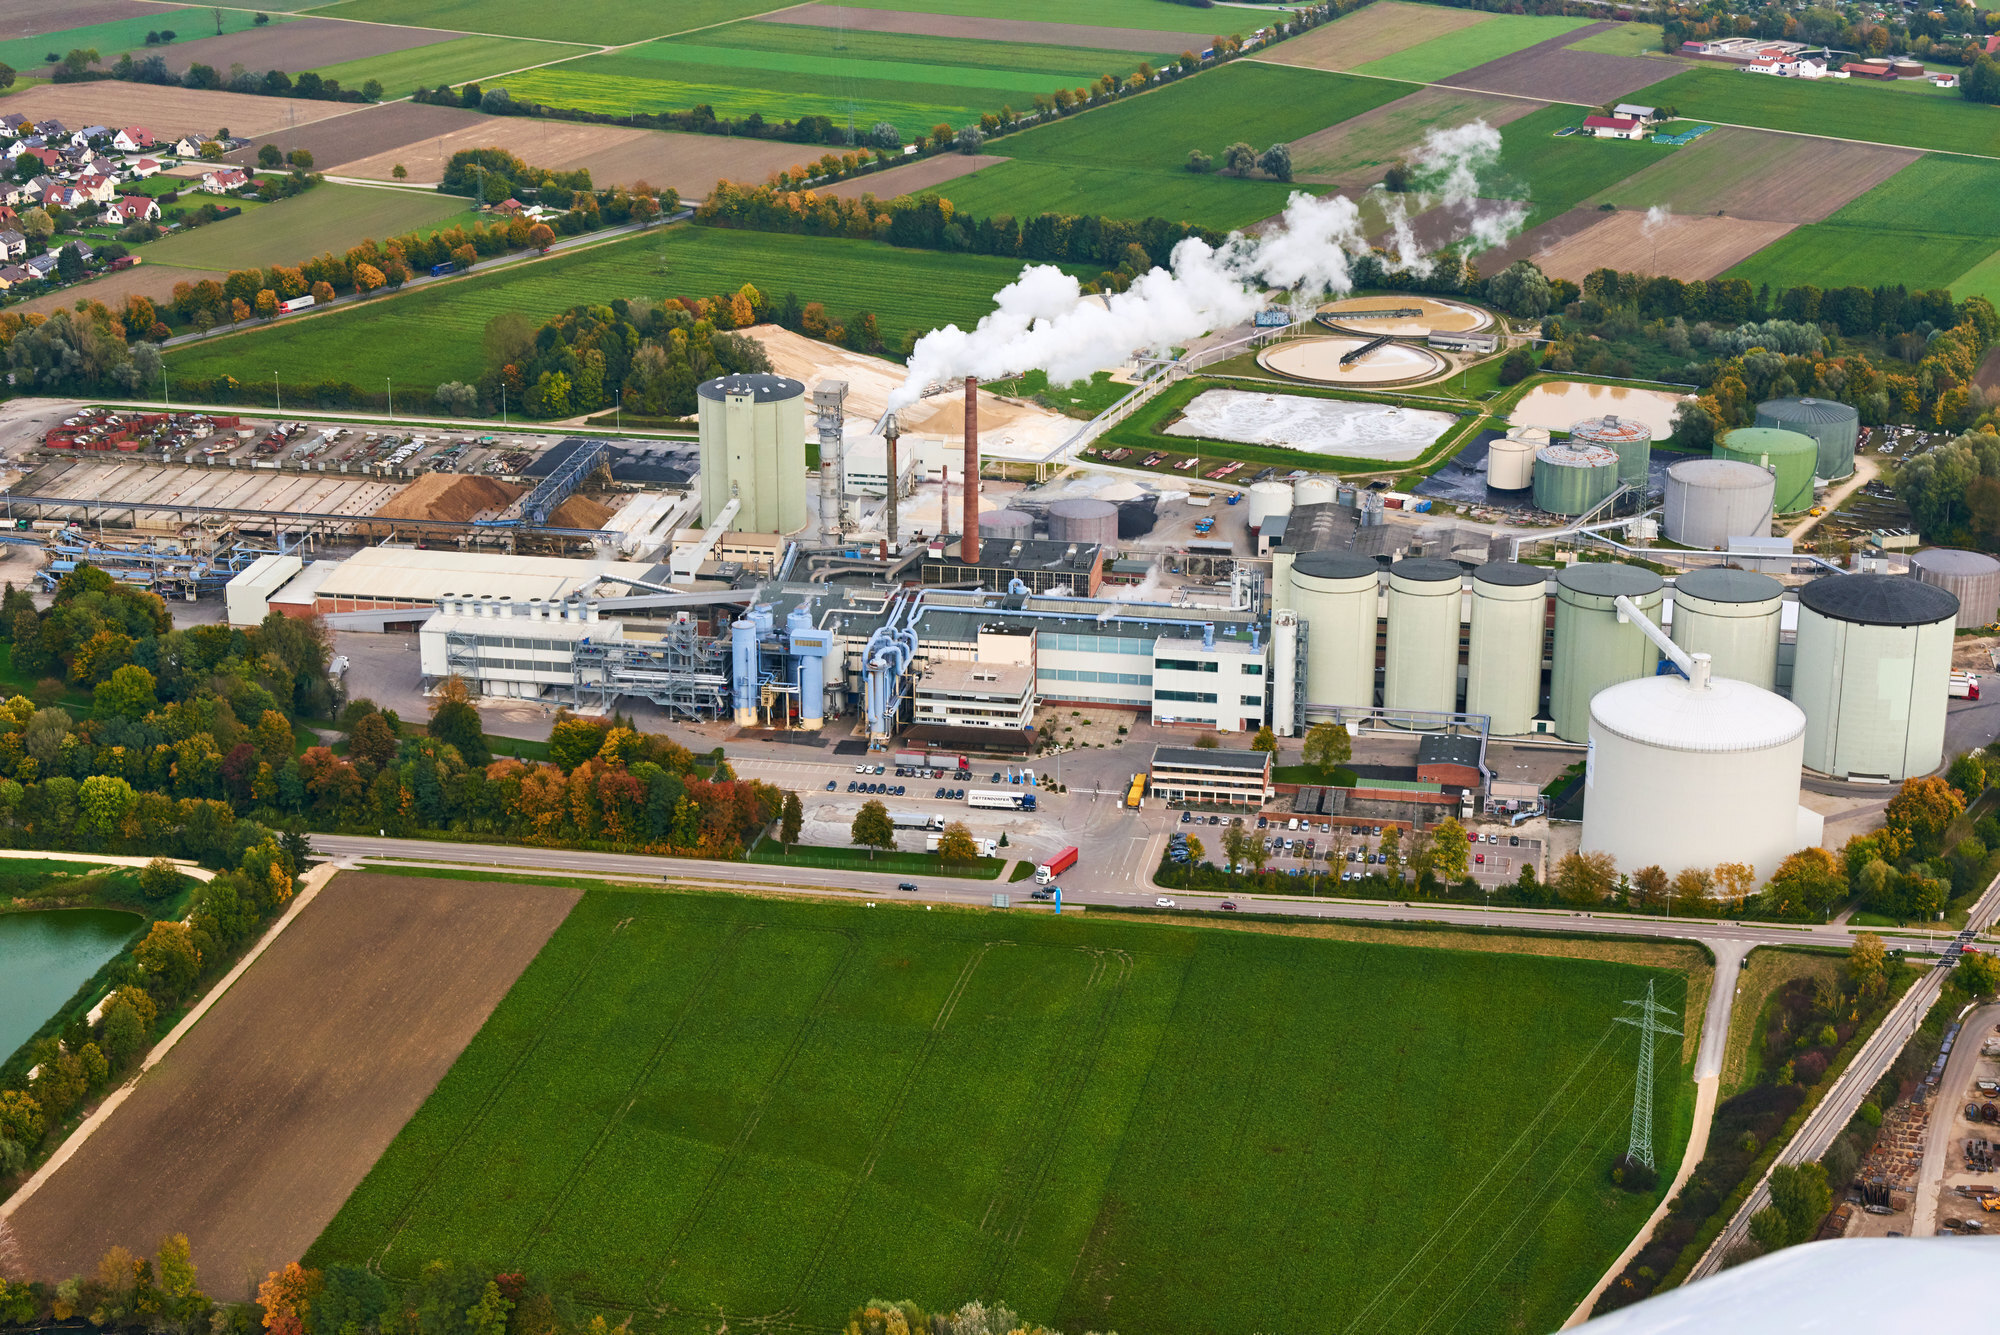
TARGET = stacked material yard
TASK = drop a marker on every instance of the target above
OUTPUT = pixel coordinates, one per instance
(580, 512)
(452, 498)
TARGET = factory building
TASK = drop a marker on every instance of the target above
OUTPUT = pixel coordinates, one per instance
(1044, 565)
(918, 459)
(1872, 671)
(975, 695)
(1193, 777)
(515, 650)
(753, 448)
(1218, 684)
(247, 596)
(394, 577)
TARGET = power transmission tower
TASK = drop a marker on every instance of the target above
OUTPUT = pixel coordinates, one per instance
(1640, 1148)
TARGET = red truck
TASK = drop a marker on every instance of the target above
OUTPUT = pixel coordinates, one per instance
(1055, 866)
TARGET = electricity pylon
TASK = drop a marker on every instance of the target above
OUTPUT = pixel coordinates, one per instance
(1640, 1148)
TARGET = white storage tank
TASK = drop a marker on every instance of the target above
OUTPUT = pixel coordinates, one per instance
(1593, 648)
(1710, 501)
(1973, 577)
(1284, 671)
(1732, 616)
(1692, 773)
(1420, 668)
(1337, 595)
(1510, 460)
(1267, 499)
(1503, 675)
(1314, 491)
(1872, 669)
(1006, 524)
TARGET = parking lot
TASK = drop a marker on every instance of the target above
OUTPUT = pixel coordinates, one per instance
(1354, 848)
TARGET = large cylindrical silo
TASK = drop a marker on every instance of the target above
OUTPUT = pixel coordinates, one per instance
(1594, 649)
(1084, 521)
(1267, 499)
(1631, 441)
(1503, 675)
(1733, 617)
(1570, 481)
(1510, 460)
(1972, 577)
(1314, 491)
(1694, 774)
(1420, 667)
(1789, 456)
(753, 447)
(1006, 524)
(1872, 672)
(1834, 426)
(1337, 595)
(1711, 501)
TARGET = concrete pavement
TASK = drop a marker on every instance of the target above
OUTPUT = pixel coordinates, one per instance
(1945, 1127)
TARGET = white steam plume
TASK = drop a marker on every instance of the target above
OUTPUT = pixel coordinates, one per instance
(1656, 217)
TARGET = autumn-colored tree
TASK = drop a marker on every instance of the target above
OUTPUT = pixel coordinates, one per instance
(957, 845)
(1692, 886)
(1807, 883)
(541, 236)
(1585, 878)
(1736, 880)
(367, 278)
(1327, 746)
(872, 828)
(239, 310)
(1917, 816)
(793, 820)
(266, 303)
(322, 292)
(1449, 850)
(170, 957)
(286, 1296)
(1265, 741)
(1867, 962)
(372, 741)
(1649, 887)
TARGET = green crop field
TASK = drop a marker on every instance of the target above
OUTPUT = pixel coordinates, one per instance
(1026, 188)
(1148, 14)
(1958, 196)
(1067, 65)
(1400, 126)
(1455, 52)
(1627, 39)
(1707, 175)
(622, 84)
(1850, 109)
(403, 72)
(432, 334)
(1830, 254)
(1555, 175)
(1981, 280)
(29, 54)
(703, 1108)
(291, 231)
(606, 22)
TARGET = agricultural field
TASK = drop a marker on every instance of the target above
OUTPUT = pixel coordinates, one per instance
(167, 111)
(452, 61)
(432, 334)
(1373, 32)
(1025, 188)
(1554, 175)
(1684, 246)
(1981, 280)
(330, 217)
(1109, 13)
(1757, 174)
(1563, 73)
(711, 1107)
(1624, 39)
(1955, 196)
(1851, 109)
(605, 22)
(1358, 151)
(297, 44)
(155, 282)
(28, 54)
(1831, 254)
(1463, 49)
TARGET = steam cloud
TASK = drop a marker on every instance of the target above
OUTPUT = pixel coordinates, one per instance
(1656, 217)
(1041, 323)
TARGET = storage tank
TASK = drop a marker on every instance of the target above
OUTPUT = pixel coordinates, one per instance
(1834, 425)
(1503, 676)
(1510, 460)
(1569, 481)
(1420, 668)
(1284, 671)
(1267, 499)
(1732, 616)
(1593, 648)
(1973, 577)
(1335, 594)
(1790, 456)
(1872, 668)
(1084, 520)
(1007, 524)
(1692, 773)
(1136, 517)
(1631, 441)
(1710, 501)
(753, 446)
(1314, 491)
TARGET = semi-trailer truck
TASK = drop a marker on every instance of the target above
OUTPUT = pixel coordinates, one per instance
(1000, 799)
(1055, 866)
(915, 820)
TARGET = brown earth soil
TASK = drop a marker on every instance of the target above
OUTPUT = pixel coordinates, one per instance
(456, 497)
(1358, 151)
(250, 1134)
(1757, 174)
(154, 281)
(32, 18)
(1549, 70)
(580, 512)
(925, 175)
(1533, 241)
(1988, 374)
(1381, 29)
(361, 133)
(992, 30)
(167, 112)
(1685, 246)
(302, 44)
(1439, 227)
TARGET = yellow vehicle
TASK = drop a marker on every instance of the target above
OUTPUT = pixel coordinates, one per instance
(1135, 796)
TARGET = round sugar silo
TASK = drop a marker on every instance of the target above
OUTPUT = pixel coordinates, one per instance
(753, 447)
(1267, 499)
(1314, 491)
(1790, 456)
(1732, 616)
(1630, 440)
(1710, 501)
(1510, 459)
(1084, 521)
(1420, 668)
(1503, 675)
(1834, 426)
(1006, 524)
(1594, 649)
(1336, 595)
(1872, 672)
(1570, 481)
(1694, 773)
(1973, 577)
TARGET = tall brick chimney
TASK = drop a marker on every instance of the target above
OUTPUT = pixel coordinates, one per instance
(968, 543)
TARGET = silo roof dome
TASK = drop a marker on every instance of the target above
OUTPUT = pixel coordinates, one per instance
(761, 385)
(1669, 712)
(1879, 600)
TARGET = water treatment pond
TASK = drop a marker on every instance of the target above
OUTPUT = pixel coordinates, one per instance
(1324, 426)
(45, 957)
(1561, 404)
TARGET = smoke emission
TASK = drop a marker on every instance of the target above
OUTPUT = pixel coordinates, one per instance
(1656, 218)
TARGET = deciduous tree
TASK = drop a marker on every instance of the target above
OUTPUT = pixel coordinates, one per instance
(1327, 747)
(957, 845)
(872, 828)
(1449, 851)
(792, 821)
(287, 1296)
(1585, 878)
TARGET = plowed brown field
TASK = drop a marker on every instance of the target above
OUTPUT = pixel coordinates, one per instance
(1684, 247)
(1381, 29)
(168, 111)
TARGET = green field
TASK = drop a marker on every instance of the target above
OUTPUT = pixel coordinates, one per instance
(606, 22)
(1957, 196)
(432, 334)
(708, 1108)
(463, 58)
(1148, 14)
(1026, 188)
(1456, 52)
(1400, 126)
(291, 231)
(1627, 39)
(1555, 175)
(1830, 255)
(1847, 110)
(29, 54)
(977, 57)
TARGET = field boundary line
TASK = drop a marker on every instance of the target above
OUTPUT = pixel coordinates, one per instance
(325, 873)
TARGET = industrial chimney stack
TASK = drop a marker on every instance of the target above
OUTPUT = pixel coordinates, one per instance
(891, 430)
(968, 543)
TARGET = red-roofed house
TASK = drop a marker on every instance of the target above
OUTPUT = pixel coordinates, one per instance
(131, 139)
(145, 167)
(97, 189)
(1615, 127)
(1993, 44)
(131, 209)
(223, 180)
(48, 157)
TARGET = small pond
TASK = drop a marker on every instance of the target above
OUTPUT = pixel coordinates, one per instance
(45, 957)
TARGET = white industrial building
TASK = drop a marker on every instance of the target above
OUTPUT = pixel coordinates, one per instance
(974, 695)
(1212, 683)
(247, 597)
(501, 648)
(1191, 776)
(918, 459)
(391, 576)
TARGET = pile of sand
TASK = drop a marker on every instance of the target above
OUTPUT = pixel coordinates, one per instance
(580, 512)
(455, 497)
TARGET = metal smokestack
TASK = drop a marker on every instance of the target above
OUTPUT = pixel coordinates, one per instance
(890, 430)
(968, 543)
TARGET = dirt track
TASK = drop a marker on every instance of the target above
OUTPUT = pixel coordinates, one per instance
(991, 30)
(1684, 247)
(254, 1130)
(1549, 70)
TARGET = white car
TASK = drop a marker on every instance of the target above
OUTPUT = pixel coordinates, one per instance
(861, 769)
(1163, 903)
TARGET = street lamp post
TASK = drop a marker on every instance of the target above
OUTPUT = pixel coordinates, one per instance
(391, 381)
(277, 396)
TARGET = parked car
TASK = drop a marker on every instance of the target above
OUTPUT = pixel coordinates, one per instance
(1513, 841)
(852, 785)
(829, 784)
(1263, 824)
(1186, 816)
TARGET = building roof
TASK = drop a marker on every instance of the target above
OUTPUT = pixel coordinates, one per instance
(1633, 109)
(410, 575)
(1609, 123)
(1335, 565)
(1448, 749)
(1510, 574)
(1194, 757)
(999, 680)
(1954, 561)
(1009, 553)
(304, 586)
(1426, 570)
(1879, 600)
(763, 387)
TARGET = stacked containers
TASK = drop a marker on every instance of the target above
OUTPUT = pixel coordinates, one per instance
(1733, 617)
(1835, 427)
(1572, 480)
(1974, 577)
(1503, 677)
(1791, 457)
(1872, 672)
(1631, 441)
(1711, 501)
(1594, 649)
(1336, 595)
(1420, 669)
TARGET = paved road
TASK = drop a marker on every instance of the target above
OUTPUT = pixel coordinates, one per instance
(1944, 1131)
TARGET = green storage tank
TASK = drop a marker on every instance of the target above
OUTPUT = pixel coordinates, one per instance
(1570, 480)
(1792, 457)
(1632, 441)
(1834, 426)
(1593, 648)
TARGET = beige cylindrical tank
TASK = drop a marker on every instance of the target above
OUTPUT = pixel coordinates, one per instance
(1510, 460)
(1872, 672)
(753, 446)
(1593, 648)
(1284, 671)
(1267, 499)
(1314, 491)
(1336, 595)
(1503, 676)
(1972, 577)
(1732, 616)
(1710, 501)
(1008, 524)
(1420, 668)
